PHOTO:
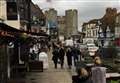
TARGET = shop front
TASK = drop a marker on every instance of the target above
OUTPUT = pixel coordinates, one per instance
(14, 51)
(7, 51)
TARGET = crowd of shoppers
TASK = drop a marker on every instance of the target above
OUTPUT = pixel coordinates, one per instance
(60, 51)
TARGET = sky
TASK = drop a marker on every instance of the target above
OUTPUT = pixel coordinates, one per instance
(87, 9)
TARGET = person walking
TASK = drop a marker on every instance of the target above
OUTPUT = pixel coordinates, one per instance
(69, 57)
(61, 55)
(75, 54)
(55, 56)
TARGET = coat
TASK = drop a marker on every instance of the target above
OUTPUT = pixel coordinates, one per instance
(61, 53)
(69, 57)
(78, 79)
(55, 55)
(75, 53)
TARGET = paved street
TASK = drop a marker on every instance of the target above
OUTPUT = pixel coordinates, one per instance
(51, 75)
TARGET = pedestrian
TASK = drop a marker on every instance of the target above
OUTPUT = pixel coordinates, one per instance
(81, 77)
(75, 54)
(69, 57)
(61, 55)
(55, 56)
(33, 55)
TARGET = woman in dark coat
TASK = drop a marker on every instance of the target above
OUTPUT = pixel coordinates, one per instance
(69, 57)
(55, 56)
(61, 55)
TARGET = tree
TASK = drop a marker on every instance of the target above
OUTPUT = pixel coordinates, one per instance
(108, 20)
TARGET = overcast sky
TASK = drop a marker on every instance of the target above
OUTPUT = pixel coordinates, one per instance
(87, 9)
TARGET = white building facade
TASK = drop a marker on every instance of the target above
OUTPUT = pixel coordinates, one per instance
(91, 32)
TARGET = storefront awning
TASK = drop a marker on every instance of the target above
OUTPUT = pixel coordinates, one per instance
(6, 30)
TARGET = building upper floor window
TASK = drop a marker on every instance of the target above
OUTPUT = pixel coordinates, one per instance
(97, 32)
(94, 34)
(116, 19)
(88, 33)
(117, 30)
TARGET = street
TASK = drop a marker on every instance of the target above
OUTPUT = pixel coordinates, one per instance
(52, 75)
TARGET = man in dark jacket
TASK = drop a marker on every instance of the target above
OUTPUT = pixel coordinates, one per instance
(55, 56)
(69, 57)
(61, 55)
(75, 53)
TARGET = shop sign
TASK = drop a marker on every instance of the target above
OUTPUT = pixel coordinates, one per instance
(52, 24)
(6, 33)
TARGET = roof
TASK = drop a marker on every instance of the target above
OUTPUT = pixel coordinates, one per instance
(94, 21)
(84, 24)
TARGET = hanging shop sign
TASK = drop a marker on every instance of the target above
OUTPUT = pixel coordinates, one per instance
(6, 33)
(52, 24)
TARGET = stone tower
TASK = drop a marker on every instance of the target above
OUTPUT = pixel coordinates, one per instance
(71, 22)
